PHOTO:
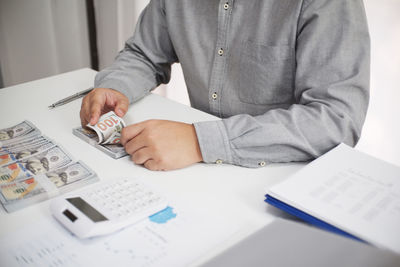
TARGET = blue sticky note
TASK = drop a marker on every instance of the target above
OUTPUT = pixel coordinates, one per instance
(163, 216)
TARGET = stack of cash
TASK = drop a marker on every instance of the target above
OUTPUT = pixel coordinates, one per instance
(34, 168)
(105, 135)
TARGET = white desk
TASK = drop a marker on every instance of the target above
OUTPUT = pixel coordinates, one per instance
(238, 190)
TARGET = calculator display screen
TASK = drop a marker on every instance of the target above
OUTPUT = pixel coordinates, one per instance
(86, 209)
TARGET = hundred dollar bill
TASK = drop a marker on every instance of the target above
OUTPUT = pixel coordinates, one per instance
(11, 192)
(26, 141)
(86, 135)
(108, 128)
(19, 153)
(109, 140)
(16, 195)
(31, 142)
(115, 151)
(51, 159)
(70, 175)
(16, 132)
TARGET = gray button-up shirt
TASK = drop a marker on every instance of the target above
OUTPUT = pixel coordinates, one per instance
(289, 78)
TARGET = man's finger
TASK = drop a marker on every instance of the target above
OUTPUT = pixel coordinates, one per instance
(84, 122)
(131, 132)
(151, 165)
(122, 106)
(134, 144)
(95, 112)
(83, 113)
(141, 155)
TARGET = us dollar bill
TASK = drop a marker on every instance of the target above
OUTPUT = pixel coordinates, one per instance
(115, 151)
(17, 132)
(26, 188)
(108, 141)
(19, 194)
(51, 159)
(34, 168)
(21, 152)
(86, 135)
(25, 143)
(108, 128)
(30, 140)
(71, 174)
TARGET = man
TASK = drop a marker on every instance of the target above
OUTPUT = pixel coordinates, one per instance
(289, 78)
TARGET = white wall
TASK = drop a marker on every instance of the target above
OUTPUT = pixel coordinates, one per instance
(381, 134)
(42, 38)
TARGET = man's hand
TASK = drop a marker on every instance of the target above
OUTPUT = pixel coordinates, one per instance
(100, 101)
(161, 144)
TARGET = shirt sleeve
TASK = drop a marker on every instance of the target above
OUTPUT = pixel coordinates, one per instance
(146, 60)
(331, 95)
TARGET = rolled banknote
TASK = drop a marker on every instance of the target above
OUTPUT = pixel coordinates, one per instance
(115, 151)
(51, 159)
(108, 128)
(16, 132)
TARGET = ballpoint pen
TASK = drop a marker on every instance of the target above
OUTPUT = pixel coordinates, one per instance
(71, 98)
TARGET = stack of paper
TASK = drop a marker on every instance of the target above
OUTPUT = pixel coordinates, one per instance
(346, 191)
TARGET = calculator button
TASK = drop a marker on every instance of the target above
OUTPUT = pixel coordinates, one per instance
(125, 199)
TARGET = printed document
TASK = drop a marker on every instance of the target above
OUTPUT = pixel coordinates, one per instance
(173, 237)
(350, 190)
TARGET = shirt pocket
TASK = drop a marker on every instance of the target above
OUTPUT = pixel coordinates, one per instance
(266, 74)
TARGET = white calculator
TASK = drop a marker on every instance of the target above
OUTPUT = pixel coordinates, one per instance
(107, 207)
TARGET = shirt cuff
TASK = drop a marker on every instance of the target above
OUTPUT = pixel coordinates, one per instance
(213, 142)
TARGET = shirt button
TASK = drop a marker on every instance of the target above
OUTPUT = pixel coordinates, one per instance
(262, 163)
(226, 6)
(221, 52)
(218, 161)
(214, 96)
